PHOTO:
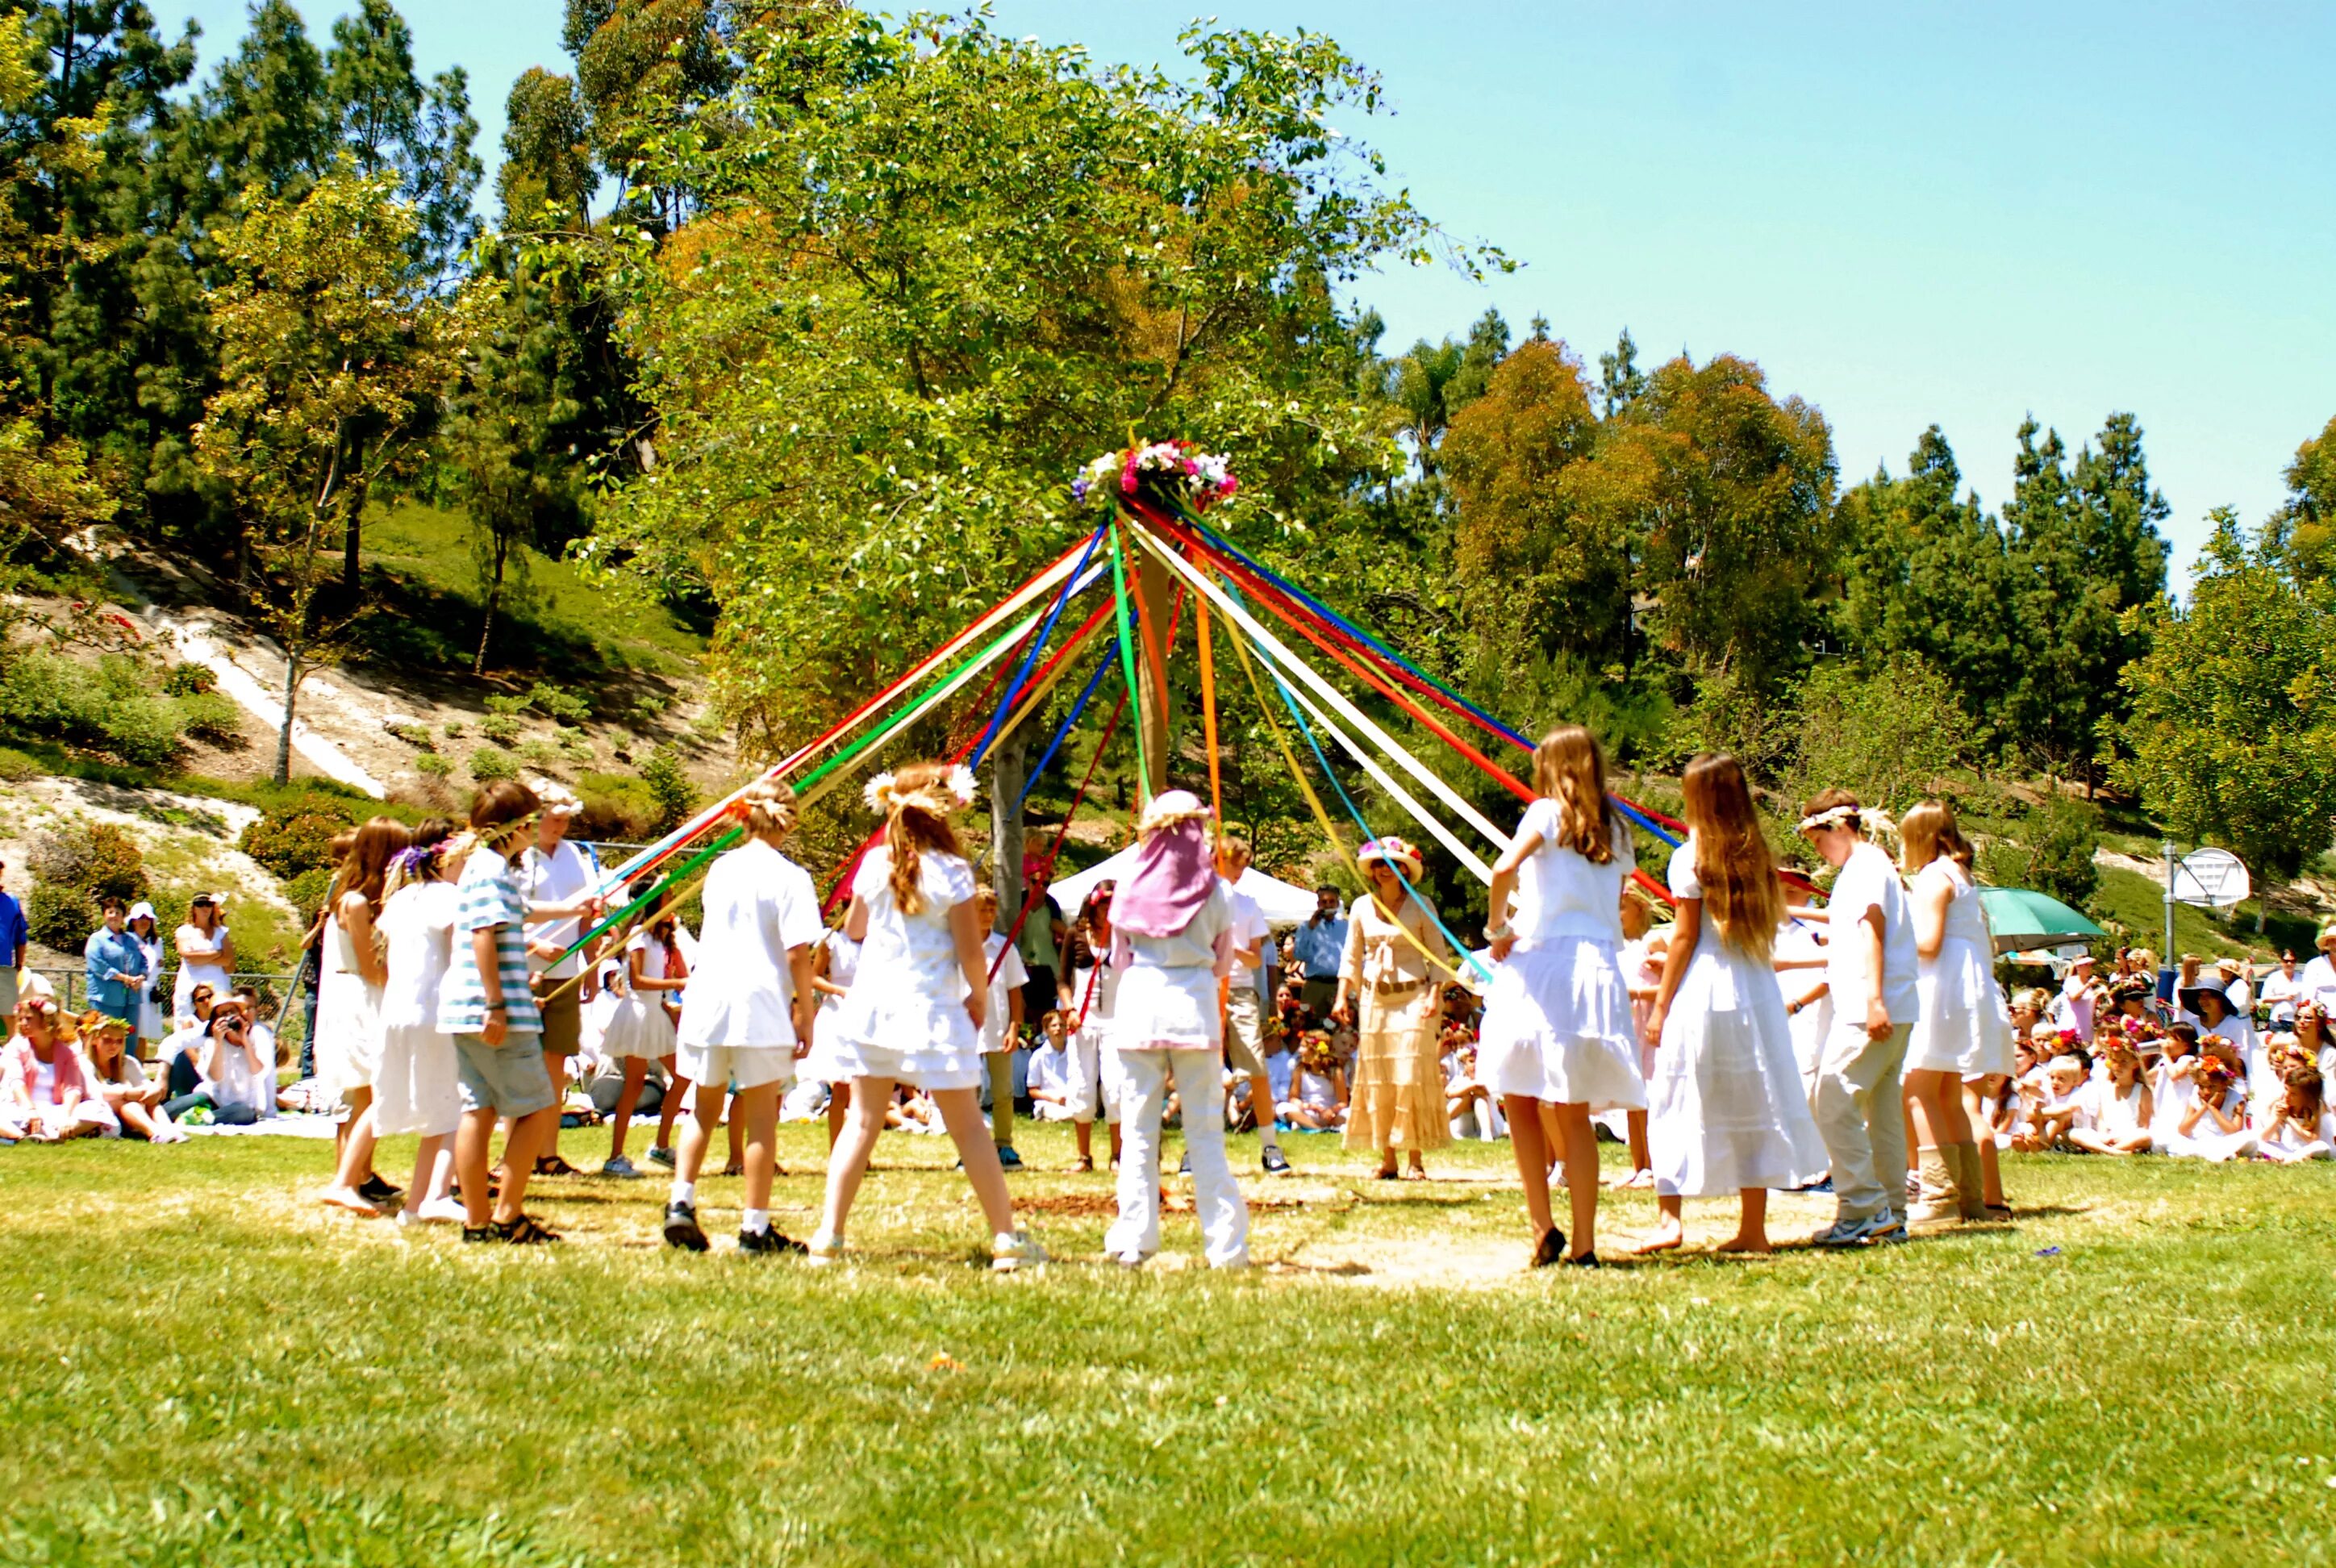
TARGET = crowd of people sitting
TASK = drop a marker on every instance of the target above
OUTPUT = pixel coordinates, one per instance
(1366, 1020)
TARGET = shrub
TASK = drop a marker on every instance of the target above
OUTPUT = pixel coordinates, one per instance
(506, 707)
(453, 729)
(75, 868)
(1886, 733)
(499, 727)
(559, 703)
(15, 767)
(576, 746)
(288, 842)
(616, 806)
(487, 765)
(306, 892)
(2061, 841)
(189, 679)
(412, 735)
(213, 717)
(432, 765)
(114, 706)
(539, 754)
(675, 796)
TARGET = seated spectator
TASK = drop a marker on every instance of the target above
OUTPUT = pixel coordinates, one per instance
(2214, 1126)
(2303, 1127)
(2055, 1116)
(1053, 1074)
(181, 1053)
(44, 1095)
(1319, 1103)
(120, 1079)
(2118, 1113)
(1474, 1111)
(235, 1082)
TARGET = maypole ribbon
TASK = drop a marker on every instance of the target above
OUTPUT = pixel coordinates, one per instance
(1128, 654)
(1037, 646)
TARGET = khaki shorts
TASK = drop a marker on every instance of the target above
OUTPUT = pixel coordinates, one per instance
(563, 1020)
(1244, 1032)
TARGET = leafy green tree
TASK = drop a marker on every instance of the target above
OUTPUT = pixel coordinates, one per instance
(2233, 707)
(547, 150)
(2304, 528)
(389, 122)
(1434, 380)
(1620, 379)
(1887, 732)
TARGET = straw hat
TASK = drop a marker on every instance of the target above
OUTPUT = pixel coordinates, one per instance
(1391, 851)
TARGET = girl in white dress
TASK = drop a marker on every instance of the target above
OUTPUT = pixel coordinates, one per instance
(1729, 1112)
(640, 1031)
(1557, 1028)
(833, 968)
(1962, 1030)
(2121, 1113)
(2215, 1126)
(914, 1013)
(1171, 942)
(206, 956)
(2301, 1127)
(348, 1010)
(416, 1091)
(149, 1022)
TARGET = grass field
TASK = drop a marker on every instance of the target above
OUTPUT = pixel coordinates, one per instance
(201, 1368)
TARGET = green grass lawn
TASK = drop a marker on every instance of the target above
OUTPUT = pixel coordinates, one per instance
(202, 1367)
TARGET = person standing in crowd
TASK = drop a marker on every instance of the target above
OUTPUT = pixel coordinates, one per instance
(2073, 1008)
(1001, 1027)
(1317, 948)
(1245, 999)
(832, 969)
(1044, 932)
(1557, 1029)
(1963, 1031)
(1172, 941)
(1729, 1114)
(486, 1004)
(115, 964)
(749, 1016)
(2281, 989)
(148, 1025)
(416, 1091)
(915, 1013)
(1871, 967)
(1387, 990)
(206, 955)
(15, 934)
(348, 1016)
(561, 880)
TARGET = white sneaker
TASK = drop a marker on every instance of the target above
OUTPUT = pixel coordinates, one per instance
(1844, 1232)
(823, 1249)
(437, 1211)
(1131, 1259)
(1016, 1250)
(1886, 1229)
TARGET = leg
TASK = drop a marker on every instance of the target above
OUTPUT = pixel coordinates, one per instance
(758, 1109)
(1001, 1097)
(960, 1112)
(470, 1141)
(1670, 1228)
(139, 1119)
(1975, 1097)
(695, 1134)
(677, 1091)
(1581, 1175)
(848, 1161)
(737, 1164)
(1752, 1230)
(628, 1095)
(1084, 1132)
(839, 1102)
(431, 1171)
(1642, 1158)
(555, 1064)
(1886, 1117)
(1532, 1152)
(1216, 1196)
(356, 1157)
(1840, 1108)
(1135, 1234)
(528, 1136)
(1553, 1135)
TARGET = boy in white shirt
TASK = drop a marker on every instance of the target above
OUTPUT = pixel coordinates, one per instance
(1053, 1074)
(1001, 1028)
(1870, 968)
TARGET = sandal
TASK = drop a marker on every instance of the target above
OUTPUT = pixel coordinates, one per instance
(553, 1166)
(1549, 1248)
(1414, 1174)
(524, 1231)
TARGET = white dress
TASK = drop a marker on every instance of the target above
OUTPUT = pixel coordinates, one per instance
(1962, 1026)
(213, 974)
(1557, 1022)
(905, 1018)
(639, 1025)
(2115, 1115)
(1727, 1109)
(417, 1089)
(150, 1009)
(842, 966)
(348, 1019)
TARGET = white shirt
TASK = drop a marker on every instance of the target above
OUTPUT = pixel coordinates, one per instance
(1250, 929)
(1050, 1070)
(561, 877)
(237, 1084)
(759, 906)
(2319, 978)
(1005, 978)
(1868, 881)
(2281, 990)
(1561, 892)
(915, 951)
(417, 928)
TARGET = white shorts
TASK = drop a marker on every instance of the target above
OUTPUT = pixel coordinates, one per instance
(1096, 1074)
(739, 1066)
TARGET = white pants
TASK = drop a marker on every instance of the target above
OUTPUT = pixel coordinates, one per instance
(1199, 1077)
(1860, 1118)
(1098, 1078)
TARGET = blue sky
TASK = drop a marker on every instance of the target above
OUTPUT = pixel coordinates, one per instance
(1960, 213)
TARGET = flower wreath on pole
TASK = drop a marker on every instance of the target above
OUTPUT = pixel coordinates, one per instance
(1174, 476)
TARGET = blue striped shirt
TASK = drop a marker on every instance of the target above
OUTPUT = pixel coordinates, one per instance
(490, 901)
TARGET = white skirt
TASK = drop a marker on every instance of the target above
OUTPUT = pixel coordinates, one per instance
(1963, 1027)
(418, 1089)
(890, 1028)
(1728, 1110)
(1163, 1010)
(931, 1069)
(348, 1034)
(820, 1064)
(639, 1026)
(1557, 1026)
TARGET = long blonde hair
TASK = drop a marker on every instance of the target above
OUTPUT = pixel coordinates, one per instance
(915, 824)
(365, 867)
(1732, 861)
(1570, 768)
(1928, 832)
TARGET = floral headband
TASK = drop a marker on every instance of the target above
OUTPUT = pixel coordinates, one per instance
(1871, 822)
(956, 793)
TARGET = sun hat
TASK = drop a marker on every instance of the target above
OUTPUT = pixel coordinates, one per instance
(556, 799)
(2190, 996)
(141, 910)
(2327, 936)
(1391, 851)
(2227, 964)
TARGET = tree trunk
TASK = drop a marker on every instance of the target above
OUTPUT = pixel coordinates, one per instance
(1152, 587)
(352, 540)
(494, 595)
(1008, 766)
(284, 735)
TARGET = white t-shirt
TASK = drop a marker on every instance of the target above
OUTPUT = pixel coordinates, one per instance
(1868, 881)
(912, 950)
(655, 955)
(1005, 978)
(1050, 1070)
(1249, 929)
(1561, 892)
(2319, 978)
(759, 905)
(561, 877)
(237, 1084)
(417, 928)
(2281, 990)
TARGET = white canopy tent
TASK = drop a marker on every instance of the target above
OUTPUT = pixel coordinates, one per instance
(1283, 904)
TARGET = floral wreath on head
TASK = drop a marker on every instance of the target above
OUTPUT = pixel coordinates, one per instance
(1392, 850)
(884, 796)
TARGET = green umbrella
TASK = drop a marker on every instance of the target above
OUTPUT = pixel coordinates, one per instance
(2023, 918)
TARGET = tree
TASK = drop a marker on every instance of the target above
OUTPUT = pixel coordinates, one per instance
(547, 150)
(390, 123)
(1887, 732)
(2233, 707)
(1620, 379)
(333, 350)
(2303, 529)
(1434, 380)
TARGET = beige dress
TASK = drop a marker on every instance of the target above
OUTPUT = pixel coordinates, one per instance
(1396, 1098)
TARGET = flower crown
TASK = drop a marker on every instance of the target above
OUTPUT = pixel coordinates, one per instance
(1176, 468)
(884, 796)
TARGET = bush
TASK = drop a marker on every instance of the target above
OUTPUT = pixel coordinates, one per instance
(306, 892)
(412, 735)
(499, 727)
(540, 754)
(506, 707)
(288, 842)
(213, 717)
(432, 765)
(453, 729)
(675, 796)
(559, 703)
(114, 706)
(616, 806)
(1886, 733)
(2055, 855)
(15, 767)
(75, 868)
(576, 747)
(188, 679)
(487, 765)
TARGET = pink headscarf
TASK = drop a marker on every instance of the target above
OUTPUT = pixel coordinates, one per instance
(1173, 874)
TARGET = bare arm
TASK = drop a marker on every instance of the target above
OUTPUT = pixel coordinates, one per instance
(491, 980)
(1676, 959)
(965, 930)
(806, 999)
(1504, 886)
(357, 918)
(1928, 908)
(855, 922)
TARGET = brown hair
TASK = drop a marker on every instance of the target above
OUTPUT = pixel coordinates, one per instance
(913, 826)
(1928, 831)
(502, 801)
(1570, 768)
(1740, 889)
(366, 865)
(1833, 800)
(770, 807)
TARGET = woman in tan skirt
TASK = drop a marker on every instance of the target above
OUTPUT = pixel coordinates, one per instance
(1396, 1098)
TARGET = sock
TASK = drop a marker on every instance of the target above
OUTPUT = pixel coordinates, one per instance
(684, 1192)
(1265, 1133)
(754, 1221)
